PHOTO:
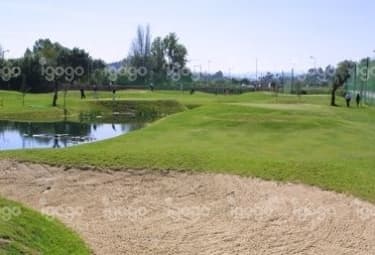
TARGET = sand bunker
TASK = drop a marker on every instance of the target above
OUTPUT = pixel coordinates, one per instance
(145, 212)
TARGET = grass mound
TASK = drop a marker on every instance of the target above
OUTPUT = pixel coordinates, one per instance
(252, 135)
(24, 231)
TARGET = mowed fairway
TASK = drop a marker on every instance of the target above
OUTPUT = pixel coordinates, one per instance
(277, 138)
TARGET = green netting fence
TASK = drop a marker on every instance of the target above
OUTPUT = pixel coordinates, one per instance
(362, 81)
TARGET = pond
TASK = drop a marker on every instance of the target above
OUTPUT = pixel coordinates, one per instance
(30, 135)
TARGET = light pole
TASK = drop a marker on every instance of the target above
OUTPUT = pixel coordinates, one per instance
(371, 93)
(208, 71)
(367, 76)
(314, 61)
(292, 81)
(292, 77)
(200, 72)
(256, 74)
(315, 71)
(2, 53)
(230, 78)
(199, 67)
(194, 71)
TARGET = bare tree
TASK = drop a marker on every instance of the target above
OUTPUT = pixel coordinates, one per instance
(140, 51)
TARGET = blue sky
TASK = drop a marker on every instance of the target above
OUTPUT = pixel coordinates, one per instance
(230, 34)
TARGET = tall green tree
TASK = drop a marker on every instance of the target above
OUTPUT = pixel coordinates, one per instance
(175, 52)
(158, 60)
(342, 75)
(39, 68)
(175, 57)
(161, 58)
(50, 54)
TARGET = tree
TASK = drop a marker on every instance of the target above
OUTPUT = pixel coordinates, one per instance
(24, 89)
(245, 81)
(158, 60)
(218, 76)
(341, 76)
(31, 69)
(52, 63)
(329, 75)
(140, 51)
(314, 77)
(175, 52)
(74, 62)
(266, 80)
(163, 58)
(48, 54)
(175, 56)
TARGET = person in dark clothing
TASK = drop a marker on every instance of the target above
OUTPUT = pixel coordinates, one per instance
(113, 93)
(56, 142)
(358, 99)
(95, 91)
(83, 96)
(348, 99)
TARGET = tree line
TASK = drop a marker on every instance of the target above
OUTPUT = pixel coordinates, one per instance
(49, 66)
(154, 62)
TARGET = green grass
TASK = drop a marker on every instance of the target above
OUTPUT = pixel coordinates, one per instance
(31, 233)
(284, 139)
(38, 107)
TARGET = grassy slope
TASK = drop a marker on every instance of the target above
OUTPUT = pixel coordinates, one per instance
(253, 134)
(38, 106)
(31, 233)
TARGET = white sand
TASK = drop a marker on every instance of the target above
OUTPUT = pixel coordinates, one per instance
(144, 212)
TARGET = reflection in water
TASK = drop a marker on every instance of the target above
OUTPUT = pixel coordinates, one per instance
(27, 135)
